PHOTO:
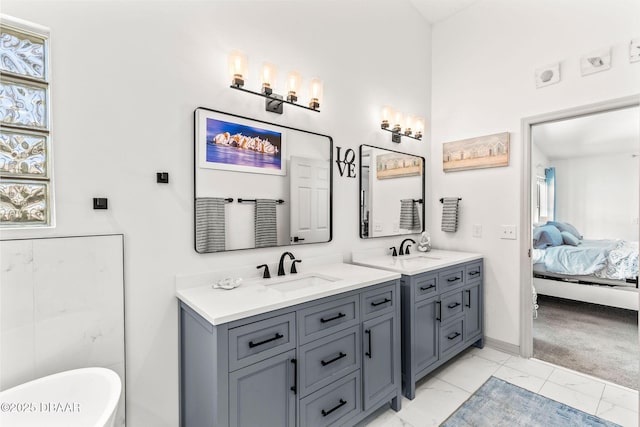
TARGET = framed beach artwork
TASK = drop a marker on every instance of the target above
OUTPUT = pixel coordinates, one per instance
(397, 165)
(231, 143)
(488, 151)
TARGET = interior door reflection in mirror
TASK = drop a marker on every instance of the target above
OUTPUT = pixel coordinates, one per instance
(259, 184)
(391, 192)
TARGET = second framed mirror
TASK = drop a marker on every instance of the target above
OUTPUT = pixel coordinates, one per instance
(392, 192)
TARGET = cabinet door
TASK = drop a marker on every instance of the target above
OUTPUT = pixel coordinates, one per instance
(425, 328)
(473, 312)
(379, 373)
(262, 395)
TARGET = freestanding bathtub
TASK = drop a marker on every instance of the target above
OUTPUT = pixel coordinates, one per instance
(86, 397)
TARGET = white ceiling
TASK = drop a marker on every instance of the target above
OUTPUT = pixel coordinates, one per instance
(438, 10)
(612, 132)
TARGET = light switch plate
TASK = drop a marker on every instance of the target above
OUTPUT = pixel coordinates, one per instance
(477, 230)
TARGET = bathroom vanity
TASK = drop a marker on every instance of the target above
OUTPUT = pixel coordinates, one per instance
(303, 349)
(442, 307)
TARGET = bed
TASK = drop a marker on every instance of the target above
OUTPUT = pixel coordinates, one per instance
(597, 271)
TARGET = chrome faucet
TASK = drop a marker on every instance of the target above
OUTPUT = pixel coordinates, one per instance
(402, 250)
(281, 263)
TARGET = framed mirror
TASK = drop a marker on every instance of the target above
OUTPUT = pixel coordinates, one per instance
(259, 184)
(391, 192)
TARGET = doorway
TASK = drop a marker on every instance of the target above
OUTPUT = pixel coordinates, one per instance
(533, 184)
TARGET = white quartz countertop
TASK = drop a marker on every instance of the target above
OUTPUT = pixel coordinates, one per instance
(257, 296)
(416, 262)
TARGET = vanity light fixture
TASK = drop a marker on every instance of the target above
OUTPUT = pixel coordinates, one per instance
(268, 76)
(402, 126)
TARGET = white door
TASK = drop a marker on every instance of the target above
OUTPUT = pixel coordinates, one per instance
(310, 200)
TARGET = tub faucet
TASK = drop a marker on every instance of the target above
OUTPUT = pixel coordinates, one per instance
(281, 263)
(402, 250)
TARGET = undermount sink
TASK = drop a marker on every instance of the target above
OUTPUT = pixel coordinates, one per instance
(297, 283)
(415, 257)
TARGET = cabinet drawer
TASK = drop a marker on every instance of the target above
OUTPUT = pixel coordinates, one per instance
(425, 286)
(451, 305)
(379, 301)
(259, 340)
(323, 319)
(327, 359)
(473, 271)
(332, 405)
(451, 278)
(451, 335)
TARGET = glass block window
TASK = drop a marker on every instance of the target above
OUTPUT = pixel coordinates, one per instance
(25, 139)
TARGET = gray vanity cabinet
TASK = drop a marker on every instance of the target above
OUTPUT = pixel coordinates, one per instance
(331, 361)
(380, 375)
(441, 316)
(261, 394)
(421, 338)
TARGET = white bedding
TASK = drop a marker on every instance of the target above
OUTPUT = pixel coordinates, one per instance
(607, 259)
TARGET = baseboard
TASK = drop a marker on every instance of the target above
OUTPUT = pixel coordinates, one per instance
(502, 346)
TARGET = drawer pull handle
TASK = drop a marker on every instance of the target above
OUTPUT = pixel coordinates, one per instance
(338, 316)
(453, 305)
(338, 406)
(368, 353)
(439, 311)
(294, 387)
(453, 336)
(277, 336)
(427, 288)
(384, 301)
(453, 279)
(468, 291)
(335, 359)
(474, 273)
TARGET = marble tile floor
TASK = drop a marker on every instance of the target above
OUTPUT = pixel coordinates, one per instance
(439, 394)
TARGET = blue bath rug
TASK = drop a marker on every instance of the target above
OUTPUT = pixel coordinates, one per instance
(499, 403)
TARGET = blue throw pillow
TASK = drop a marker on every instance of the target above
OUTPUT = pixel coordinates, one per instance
(545, 236)
(569, 239)
(565, 226)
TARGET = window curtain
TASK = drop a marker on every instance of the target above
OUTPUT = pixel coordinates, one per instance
(550, 179)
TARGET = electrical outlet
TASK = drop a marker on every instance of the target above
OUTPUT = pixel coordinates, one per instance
(377, 226)
(508, 232)
(476, 230)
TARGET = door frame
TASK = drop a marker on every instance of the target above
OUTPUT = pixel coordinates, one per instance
(526, 266)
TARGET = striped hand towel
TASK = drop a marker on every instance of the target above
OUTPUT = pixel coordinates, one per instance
(210, 224)
(450, 214)
(266, 224)
(409, 216)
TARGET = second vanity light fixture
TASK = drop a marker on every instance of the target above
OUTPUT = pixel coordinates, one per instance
(268, 75)
(413, 126)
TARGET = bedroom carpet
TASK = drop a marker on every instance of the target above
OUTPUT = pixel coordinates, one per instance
(501, 404)
(589, 338)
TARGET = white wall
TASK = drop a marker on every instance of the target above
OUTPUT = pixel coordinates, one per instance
(599, 195)
(484, 59)
(126, 78)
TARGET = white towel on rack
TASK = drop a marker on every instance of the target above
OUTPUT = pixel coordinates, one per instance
(409, 216)
(210, 224)
(450, 214)
(266, 225)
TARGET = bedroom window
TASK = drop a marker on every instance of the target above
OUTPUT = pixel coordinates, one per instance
(25, 135)
(546, 196)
